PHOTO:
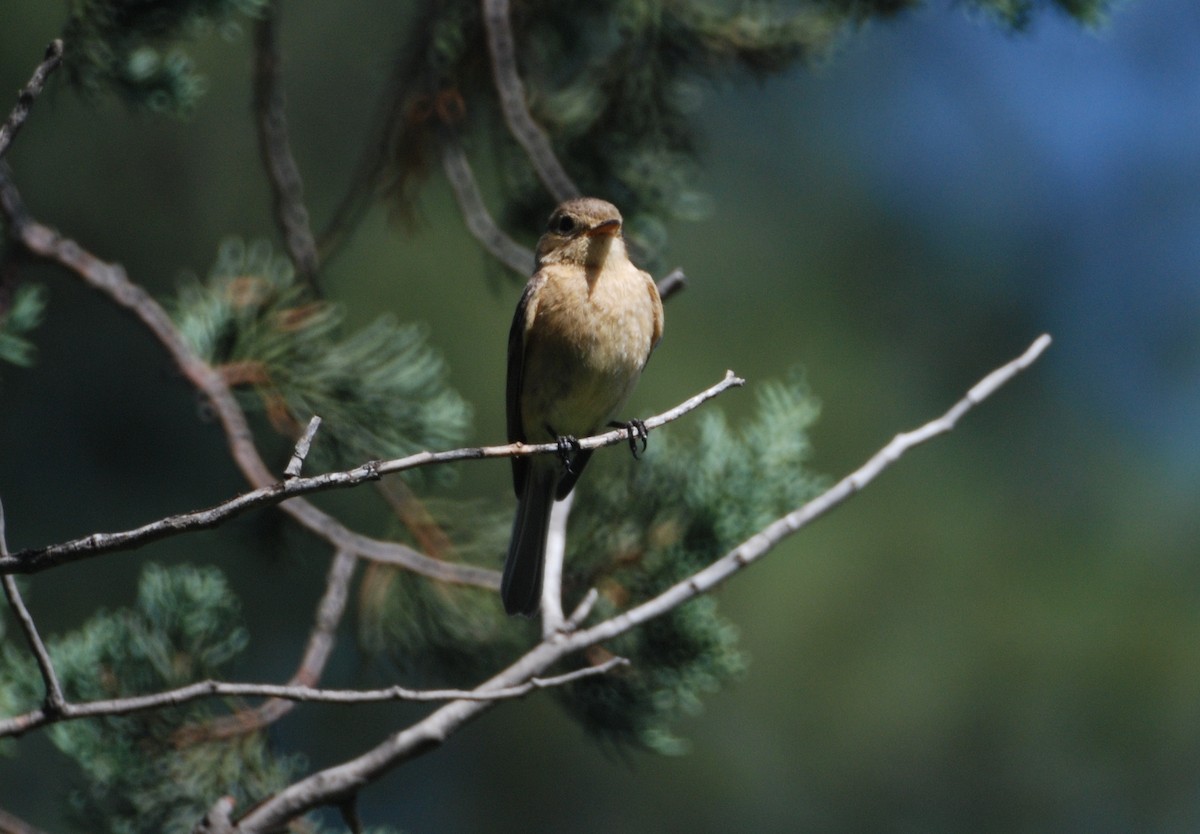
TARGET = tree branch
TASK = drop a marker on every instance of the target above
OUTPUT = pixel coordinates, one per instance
(37, 82)
(21, 724)
(552, 566)
(54, 699)
(302, 446)
(320, 646)
(37, 559)
(673, 282)
(287, 187)
(511, 91)
(766, 539)
(470, 202)
(330, 785)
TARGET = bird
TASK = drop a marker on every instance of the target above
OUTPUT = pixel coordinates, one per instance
(582, 333)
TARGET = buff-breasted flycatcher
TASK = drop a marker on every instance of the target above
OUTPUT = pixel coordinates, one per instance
(582, 333)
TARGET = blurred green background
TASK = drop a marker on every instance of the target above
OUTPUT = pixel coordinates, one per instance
(1001, 634)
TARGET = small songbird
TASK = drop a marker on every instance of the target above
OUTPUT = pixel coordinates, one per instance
(582, 333)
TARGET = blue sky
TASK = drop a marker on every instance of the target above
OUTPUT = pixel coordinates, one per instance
(1078, 150)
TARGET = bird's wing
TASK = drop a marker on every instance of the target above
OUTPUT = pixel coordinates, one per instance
(656, 302)
(526, 310)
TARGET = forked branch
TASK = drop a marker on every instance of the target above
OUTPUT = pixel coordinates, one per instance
(38, 559)
(334, 784)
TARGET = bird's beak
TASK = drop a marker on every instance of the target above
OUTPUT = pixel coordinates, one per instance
(612, 228)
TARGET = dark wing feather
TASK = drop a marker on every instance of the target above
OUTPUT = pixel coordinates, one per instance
(516, 368)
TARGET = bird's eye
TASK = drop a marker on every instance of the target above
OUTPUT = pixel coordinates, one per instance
(564, 224)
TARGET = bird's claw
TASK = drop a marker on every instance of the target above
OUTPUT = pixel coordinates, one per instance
(567, 447)
(637, 431)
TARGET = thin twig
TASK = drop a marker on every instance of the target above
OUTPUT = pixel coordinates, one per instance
(511, 91)
(582, 610)
(21, 724)
(766, 539)
(470, 203)
(327, 786)
(54, 695)
(286, 185)
(34, 560)
(312, 665)
(673, 282)
(302, 447)
(54, 699)
(37, 82)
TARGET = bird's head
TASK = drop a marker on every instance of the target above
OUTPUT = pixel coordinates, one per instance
(580, 231)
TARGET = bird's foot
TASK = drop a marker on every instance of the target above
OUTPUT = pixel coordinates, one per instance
(637, 431)
(568, 446)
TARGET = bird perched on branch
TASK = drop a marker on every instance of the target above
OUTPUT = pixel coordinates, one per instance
(582, 333)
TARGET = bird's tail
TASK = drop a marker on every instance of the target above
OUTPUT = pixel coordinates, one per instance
(521, 588)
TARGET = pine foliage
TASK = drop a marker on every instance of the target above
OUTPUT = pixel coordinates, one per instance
(18, 318)
(618, 88)
(184, 627)
(615, 85)
(634, 531)
(132, 47)
(686, 504)
(1019, 14)
(143, 773)
(381, 392)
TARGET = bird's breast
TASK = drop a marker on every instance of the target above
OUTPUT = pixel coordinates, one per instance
(584, 350)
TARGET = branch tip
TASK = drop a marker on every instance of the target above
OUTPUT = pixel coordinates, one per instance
(51, 60)
(581, 611)
(302, 447)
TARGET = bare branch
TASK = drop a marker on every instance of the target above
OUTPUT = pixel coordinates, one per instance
(37, 82)
(302, 447)
(286, 185)
(54, 699)
(671, 283)
(320, 646)
(511, 91)
(582, 611)
(21, 724)
(329, 785)
(766, 539)
(54, 695)
(470, 202)
(284, 493)
(552, 566)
